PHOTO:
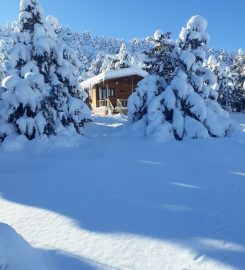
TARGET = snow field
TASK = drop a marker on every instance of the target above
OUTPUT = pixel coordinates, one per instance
(126, 203)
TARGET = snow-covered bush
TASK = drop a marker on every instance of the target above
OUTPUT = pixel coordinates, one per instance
(41, 91)
(183, 105)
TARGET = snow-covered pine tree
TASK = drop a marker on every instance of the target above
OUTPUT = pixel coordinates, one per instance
(238, 68)
(123, 58)
(138, 45)
(137, 48)
(160, 63)
(96, 66)
(117, 61)
(3, 51)
(160, 59)
(109, 62)
(6, 44)
(187, 107)
(41, 92)
(226, 88)
(89, 49)
(225, 78)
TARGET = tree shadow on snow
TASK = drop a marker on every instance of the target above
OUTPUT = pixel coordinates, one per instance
(166, 197)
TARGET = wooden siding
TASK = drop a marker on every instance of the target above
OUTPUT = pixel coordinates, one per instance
(123, 88)
(93, 97)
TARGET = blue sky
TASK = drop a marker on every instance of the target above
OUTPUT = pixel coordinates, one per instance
(139, 18)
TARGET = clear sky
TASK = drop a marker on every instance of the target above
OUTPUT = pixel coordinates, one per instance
(139, 18)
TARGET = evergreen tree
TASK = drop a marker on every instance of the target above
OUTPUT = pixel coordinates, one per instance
(123, 58)
(138, 48)
(2, 59)
(109, 62)
(117, 61)
(87, 48)
(187, 107)
(6, 44)
(225, 80)
(160, 59)
(226, 89)
(160, 64)
(41, 92)
(96, 66)
(238, 68)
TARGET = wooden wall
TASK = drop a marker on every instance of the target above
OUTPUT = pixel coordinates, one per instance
(123, 88)
(93, 97)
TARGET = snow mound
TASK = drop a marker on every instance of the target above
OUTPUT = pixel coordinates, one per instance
(16, 253)
(197, 23)
(14, 143)
(66, 139)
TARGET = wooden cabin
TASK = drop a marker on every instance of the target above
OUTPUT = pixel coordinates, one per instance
(109, 91)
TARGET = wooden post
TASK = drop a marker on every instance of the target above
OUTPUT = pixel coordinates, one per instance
(107, 91)
(132, 80)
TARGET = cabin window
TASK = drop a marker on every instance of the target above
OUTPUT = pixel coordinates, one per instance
(106, 93)
(111, 92)
(102, 94)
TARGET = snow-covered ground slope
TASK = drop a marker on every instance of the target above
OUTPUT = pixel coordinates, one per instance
(126, 203)
(239, 118)
(15, 253)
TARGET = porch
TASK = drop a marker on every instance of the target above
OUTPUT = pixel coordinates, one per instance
(105, 106)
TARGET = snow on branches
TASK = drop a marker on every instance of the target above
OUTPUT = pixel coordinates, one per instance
(41, 93)
(183, 105)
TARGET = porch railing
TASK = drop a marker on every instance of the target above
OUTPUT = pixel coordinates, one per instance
(121, 105)
(106, 103)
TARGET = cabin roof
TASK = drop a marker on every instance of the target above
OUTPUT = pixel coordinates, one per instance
(113, 74)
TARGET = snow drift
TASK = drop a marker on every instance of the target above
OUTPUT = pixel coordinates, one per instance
(16, 253)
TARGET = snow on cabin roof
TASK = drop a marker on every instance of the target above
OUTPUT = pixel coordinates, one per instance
(113, 74)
